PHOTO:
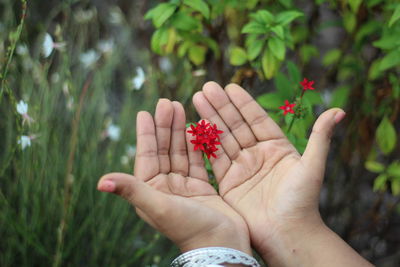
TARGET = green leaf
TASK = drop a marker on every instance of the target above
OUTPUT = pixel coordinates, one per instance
(197, 54)
(269, 64)
(395, 82)
(161, 13)
(386, 136)
(374, 166)
(278, 30)
(354, 5)
(393, 169)
(286, 3)
(331, 57)
(277, 46)
(183, 48)
(340, 97)
(286, 17)
(159, 39)
(300, 143)
(391, 60)
(182, 21)
(237, 56)
(395, 186)
(254, 27)
(374, 71)
(366, 29)
(307, 52)
(387, 42)
(271, 100)
(396, 16)
(349, 21)
(254, 49)
(284, 86)
(372, 3)
(312, 98)
(172, 37)
(380, 182)
(199, 5)
(265, 17)
(294, 72)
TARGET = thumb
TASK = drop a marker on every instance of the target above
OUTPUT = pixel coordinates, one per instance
(318, 145)
(145, 198)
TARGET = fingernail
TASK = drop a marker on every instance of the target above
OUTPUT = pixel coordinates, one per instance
(107, 186)
(339, 116)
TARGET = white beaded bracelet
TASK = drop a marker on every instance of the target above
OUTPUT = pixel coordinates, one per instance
(212, 256)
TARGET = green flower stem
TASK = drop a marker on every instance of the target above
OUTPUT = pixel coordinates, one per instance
(291, 123)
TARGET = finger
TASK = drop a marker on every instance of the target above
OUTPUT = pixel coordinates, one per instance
(206, 111)
(263, 127)
(318, 145)
(178, 152)
(220, 164)
(146, 160)
(197, 168)
(217, 97)
(163, 121)
(151, 204)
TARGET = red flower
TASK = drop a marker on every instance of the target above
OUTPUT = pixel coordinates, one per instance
(287, 107)
(207, 137)
(307, 85)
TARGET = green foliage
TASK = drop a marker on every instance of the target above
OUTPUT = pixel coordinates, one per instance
(386, 136)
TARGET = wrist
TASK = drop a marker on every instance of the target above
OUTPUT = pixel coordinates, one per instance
(225, 235)
(286, 243)
(311, 244)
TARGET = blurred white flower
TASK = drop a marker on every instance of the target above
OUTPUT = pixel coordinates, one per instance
(139, 79)
(70, 103)
(198, 73)
(89, 58)
(22, 108)
(22, 49)
(130, 151)
(55, 78)
(24, 141)
(65, 89)
(49, 45)
(113, 132)
(124, 160)
(106, 46)
(165, 64)
(116, 16)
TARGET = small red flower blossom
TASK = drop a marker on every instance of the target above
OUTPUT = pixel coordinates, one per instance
(207, 138)
(307, 85)
(287, 108)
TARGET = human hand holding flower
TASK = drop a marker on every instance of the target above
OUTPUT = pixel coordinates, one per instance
(263, 177)
(170, 188)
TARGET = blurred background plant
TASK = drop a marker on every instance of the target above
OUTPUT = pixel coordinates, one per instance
(75, 72)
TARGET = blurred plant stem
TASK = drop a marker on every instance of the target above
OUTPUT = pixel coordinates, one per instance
(14, 38)
(68, 181)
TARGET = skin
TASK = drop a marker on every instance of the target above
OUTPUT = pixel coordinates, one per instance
(170, 188)
(274, 188)
(268, 191)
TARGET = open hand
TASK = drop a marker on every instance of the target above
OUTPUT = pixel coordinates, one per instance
(170, 188)
(260, 173)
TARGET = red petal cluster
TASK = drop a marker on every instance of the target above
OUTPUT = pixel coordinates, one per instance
(207, 137)
(287, 107)
(307, 85)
